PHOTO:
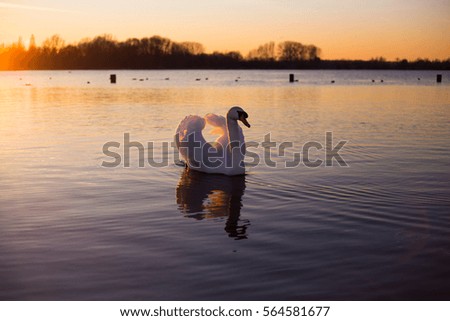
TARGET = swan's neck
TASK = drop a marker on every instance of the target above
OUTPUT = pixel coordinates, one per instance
(235, 148)
(233, 134)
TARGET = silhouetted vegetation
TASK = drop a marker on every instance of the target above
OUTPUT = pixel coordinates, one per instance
(104, 52)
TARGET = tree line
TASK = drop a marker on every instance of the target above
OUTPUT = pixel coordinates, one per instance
(104, 52)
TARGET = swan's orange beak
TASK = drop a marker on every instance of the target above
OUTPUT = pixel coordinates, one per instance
(244, 120)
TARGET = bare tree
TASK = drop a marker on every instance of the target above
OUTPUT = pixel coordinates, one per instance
(296, 51)
(263, 52)
(32, 44)
(54, 43)
(193, 48)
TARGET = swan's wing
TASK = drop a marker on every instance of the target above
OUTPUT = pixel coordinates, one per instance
(216, 120)
(190, 124)
(220, 128)
(188, 136)
(219, 125)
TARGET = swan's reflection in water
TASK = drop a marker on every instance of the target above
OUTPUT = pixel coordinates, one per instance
(204, 196)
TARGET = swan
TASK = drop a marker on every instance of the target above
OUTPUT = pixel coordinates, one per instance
(225, 155)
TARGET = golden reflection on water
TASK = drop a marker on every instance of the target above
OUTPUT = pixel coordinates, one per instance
(32, 115)
(206, 196)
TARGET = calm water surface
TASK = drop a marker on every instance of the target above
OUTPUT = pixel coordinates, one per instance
(71, 229)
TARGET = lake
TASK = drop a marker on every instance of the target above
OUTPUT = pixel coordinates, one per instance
(376, 227)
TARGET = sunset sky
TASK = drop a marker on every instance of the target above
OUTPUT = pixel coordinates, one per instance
(342, 29)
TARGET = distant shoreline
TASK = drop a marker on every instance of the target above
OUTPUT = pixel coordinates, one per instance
(158, 53)
(260, 65)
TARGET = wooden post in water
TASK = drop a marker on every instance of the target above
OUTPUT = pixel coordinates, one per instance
(291, 77)
(112, 78)
(439, 78)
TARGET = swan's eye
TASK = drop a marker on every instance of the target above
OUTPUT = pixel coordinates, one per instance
(242, 114)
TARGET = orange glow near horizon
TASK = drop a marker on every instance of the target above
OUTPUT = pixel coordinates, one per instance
(349, 29)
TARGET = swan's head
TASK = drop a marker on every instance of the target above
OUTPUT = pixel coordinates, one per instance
(237, 113)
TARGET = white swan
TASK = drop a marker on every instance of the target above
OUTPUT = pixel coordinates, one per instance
(225, 155)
